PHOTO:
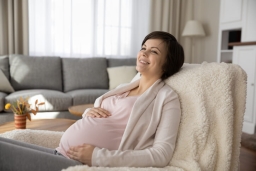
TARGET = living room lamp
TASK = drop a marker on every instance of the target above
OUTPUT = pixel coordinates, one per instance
(193, 29)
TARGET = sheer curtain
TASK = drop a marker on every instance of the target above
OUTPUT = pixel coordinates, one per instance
(87, 28)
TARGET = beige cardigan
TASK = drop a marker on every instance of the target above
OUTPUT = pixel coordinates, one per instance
(151, 131)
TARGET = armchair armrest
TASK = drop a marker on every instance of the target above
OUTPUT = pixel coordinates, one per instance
(49, 139)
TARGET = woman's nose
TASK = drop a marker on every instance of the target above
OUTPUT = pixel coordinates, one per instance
(145, 53)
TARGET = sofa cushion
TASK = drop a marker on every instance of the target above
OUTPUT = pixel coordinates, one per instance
(86, 96)
(54, 100)
(84, 73)
(120, 75)
(4, 65)
(114, 62)
(35, 72)
(2, 103)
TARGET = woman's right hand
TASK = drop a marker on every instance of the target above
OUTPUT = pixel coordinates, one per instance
(97, 112)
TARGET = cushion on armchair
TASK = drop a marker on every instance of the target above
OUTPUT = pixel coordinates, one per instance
(212, 97)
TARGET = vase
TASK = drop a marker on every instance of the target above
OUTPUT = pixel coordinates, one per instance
(20, 121)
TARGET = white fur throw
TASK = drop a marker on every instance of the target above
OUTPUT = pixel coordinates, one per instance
(49, 139)
(212, 97)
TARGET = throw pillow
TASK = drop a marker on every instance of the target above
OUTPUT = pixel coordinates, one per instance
(120, 75)
(30, 72)
(5, 85)
(84, 73)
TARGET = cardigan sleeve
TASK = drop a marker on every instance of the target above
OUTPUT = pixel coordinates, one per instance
(158, 155)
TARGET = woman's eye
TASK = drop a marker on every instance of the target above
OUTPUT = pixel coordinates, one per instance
(154, 52)
(143, 48)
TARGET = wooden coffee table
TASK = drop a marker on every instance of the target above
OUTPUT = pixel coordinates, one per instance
(41, 124)
(78, 110)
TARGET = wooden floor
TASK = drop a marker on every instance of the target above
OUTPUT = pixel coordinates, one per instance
(248, 156)
(247, 159)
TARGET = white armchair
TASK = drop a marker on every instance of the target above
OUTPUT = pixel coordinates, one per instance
(212, 97)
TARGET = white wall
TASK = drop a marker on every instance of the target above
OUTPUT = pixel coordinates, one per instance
(205, 48)
(208, 12)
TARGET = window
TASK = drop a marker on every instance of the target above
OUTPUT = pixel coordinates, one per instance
(87, 28)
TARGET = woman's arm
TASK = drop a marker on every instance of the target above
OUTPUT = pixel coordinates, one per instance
(159, 155)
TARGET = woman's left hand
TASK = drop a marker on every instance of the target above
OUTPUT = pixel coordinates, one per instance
(82, 153)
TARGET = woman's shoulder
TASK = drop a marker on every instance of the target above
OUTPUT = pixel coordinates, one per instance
(168, 91)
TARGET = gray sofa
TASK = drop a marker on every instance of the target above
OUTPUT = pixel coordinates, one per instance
(59, 82)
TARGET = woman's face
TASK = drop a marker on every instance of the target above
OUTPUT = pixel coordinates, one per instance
(151, 58)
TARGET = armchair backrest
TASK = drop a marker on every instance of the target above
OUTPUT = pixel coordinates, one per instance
(212, 97)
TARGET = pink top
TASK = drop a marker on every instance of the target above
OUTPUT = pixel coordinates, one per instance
(100, 132)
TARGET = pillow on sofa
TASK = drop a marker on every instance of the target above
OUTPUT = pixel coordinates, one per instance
(120, 75)
(84, 73)
(29, 72)
(5, 85)
(116, 62)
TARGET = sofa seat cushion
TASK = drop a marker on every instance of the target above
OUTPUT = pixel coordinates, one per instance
(84, 73)
(54, 100)
(2, 104)
(86, 96)
(35, 72)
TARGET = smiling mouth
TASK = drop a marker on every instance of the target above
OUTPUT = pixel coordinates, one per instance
(143, 62)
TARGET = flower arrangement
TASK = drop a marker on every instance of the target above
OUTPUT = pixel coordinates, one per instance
(22, 107)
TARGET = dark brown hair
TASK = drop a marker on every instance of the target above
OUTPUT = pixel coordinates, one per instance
(175, 54)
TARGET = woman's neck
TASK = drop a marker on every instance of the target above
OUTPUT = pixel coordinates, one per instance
(144, 84)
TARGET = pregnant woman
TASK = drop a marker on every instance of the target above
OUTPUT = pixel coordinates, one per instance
(134, 125)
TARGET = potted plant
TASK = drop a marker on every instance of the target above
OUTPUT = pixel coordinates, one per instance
(22, 110)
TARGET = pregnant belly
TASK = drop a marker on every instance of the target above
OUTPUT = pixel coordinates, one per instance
(99, 132)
